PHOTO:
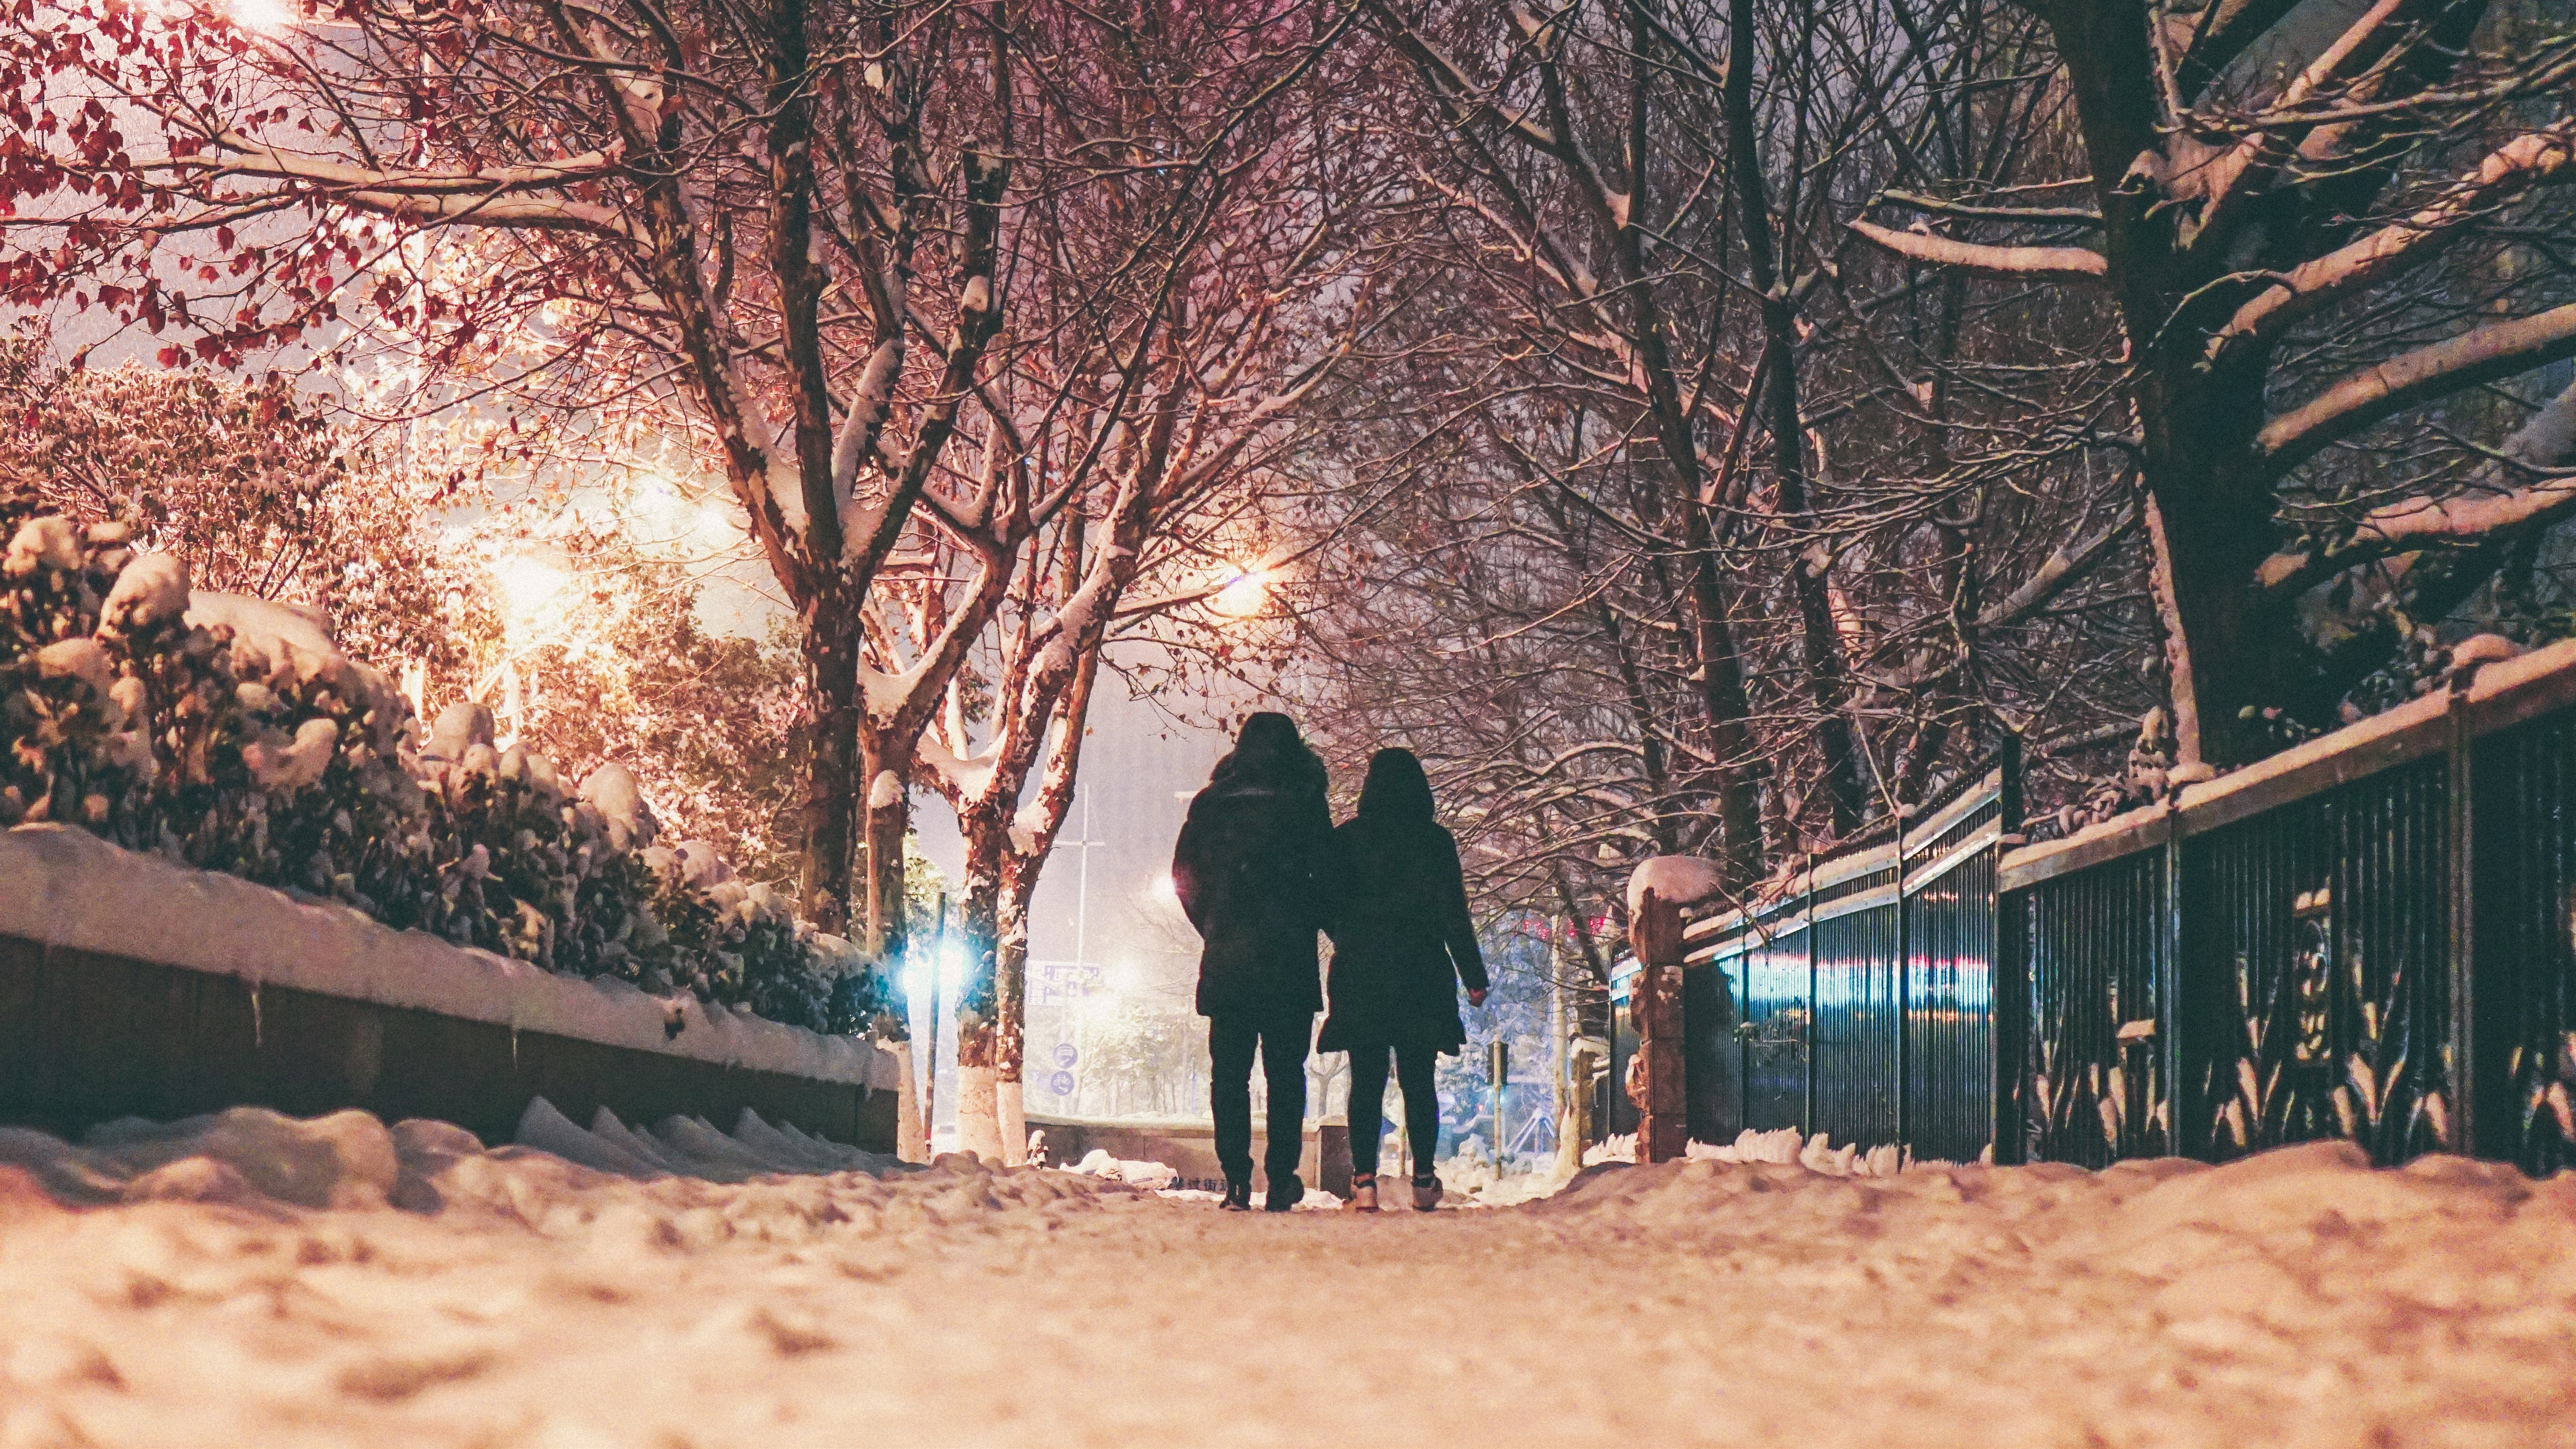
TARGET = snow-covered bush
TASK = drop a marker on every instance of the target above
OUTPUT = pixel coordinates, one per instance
(231, 733)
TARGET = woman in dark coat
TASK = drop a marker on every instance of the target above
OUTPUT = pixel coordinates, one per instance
(1402, 941)
(1247, 869)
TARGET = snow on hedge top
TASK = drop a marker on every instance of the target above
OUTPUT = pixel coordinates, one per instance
(274, 641)
(66, 887)
(1684, 880)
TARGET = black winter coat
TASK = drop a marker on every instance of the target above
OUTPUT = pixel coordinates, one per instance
(1246, 870)
(1402, 938)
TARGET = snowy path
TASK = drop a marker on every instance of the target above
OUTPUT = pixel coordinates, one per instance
(2295, 1299)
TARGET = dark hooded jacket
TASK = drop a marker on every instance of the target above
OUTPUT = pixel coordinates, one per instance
(1247, 868)
(1402, 938)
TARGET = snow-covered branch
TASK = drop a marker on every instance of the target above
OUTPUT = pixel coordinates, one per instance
(2496, 504)
(2376, 393)
(2024, 263)
(2536, 158)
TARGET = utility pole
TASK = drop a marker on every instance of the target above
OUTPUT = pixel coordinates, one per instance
(1556, 1054)
(1082, 890)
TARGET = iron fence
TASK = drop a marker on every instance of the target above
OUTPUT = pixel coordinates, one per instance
(1857, 1000)
(2371, 936)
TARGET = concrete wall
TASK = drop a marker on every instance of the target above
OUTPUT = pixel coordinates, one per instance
(87, 1037)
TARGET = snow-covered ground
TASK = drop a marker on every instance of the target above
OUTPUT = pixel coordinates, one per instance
(255, 1281)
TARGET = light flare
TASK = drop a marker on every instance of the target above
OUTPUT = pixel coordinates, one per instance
(1244, 593)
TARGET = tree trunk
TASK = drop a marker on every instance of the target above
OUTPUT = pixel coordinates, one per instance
(885, 921)
(2211, 530)
(1822, 655)
(979, 1009)
(1011, 1007)
(832, 784)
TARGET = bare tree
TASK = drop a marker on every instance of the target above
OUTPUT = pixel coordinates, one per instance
(2324, 234)
(1161, 416)
(1879, 536)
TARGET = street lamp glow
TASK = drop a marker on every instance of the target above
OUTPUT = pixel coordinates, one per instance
(1243, 595)
(528, 587)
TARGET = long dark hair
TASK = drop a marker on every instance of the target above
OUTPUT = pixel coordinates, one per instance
(1397, 792)
(1269, 752)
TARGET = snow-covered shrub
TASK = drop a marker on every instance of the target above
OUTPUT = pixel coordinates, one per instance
(231, 733)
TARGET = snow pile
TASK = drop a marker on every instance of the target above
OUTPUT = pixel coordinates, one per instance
(231, 734)
(1617, 1147)
(1098, 1163)
(1470, 1178)
(1682, 880)
(1783, 1145)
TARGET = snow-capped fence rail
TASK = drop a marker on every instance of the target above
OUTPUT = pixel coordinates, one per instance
(134, 986)
(2369, 936)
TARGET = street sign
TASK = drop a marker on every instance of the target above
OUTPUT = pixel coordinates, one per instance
(1061, 1084)
(1059, 982)
(1065, 1055)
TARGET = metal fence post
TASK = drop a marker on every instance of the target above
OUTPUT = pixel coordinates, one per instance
(1815, 1006)
(2009, 982)
(2169, 975)
(2461, 887)
(1904, 1000)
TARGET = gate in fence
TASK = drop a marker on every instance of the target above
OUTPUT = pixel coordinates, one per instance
(2369, 936)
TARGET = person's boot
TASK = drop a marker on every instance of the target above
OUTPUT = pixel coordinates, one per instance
(1238, 1195)
(1426, 1192)
(1363, 1192)
(1285, 1193)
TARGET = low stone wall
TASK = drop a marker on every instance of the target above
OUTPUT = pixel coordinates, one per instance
(87, 1038)
(132, 987)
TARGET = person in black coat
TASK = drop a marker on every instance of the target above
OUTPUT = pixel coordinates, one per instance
(1402, 941)
(1247, 871)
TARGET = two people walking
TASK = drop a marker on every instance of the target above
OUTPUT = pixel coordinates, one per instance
(1260, 869)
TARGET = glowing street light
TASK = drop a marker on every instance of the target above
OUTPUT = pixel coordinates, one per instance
(1243, 595)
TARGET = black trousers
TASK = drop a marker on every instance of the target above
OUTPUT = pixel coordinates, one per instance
(1283, 1040)
(1368, 1103)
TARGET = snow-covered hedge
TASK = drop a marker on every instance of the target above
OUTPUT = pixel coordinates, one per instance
(231, 734)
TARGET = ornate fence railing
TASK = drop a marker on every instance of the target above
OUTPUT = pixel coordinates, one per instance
(2369, 936)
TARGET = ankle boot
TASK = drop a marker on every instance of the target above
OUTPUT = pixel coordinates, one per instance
(1285, 1193)
(1426, 1192)
(1364, 1192)
(1238, 1196)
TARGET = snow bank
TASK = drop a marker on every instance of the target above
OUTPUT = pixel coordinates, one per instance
(66, 887)
(249, 1279)
(273, 642)
(1684, 880)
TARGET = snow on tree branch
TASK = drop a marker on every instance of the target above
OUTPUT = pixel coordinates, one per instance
(2024, 263)
(2375, 393)
(2528, 160)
